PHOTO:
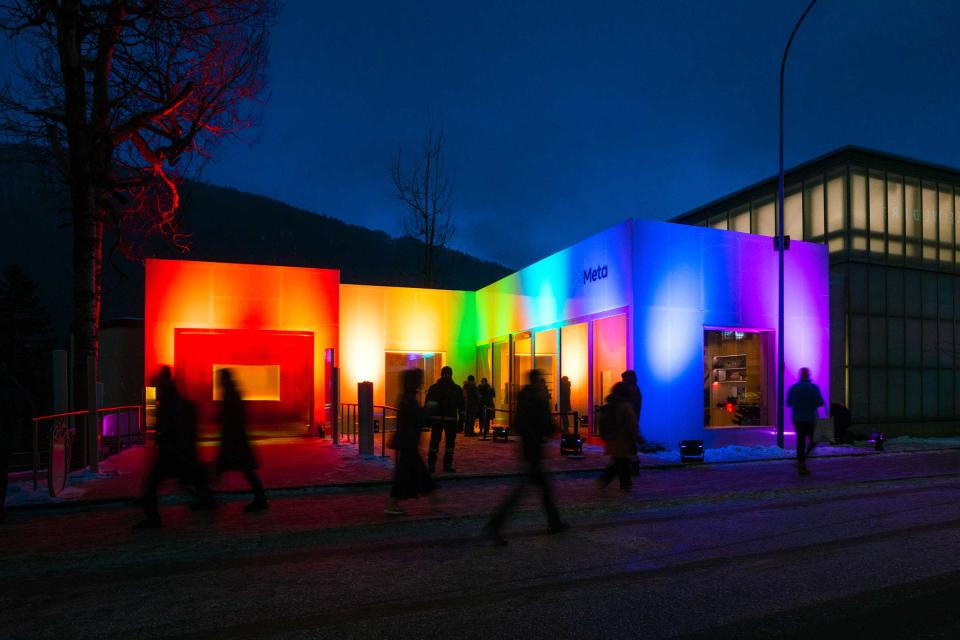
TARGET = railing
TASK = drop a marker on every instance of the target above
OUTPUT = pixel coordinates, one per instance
(382, 423)
(53, 437)
(574, 422)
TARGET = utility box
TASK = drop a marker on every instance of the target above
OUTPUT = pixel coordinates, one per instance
(365, 417)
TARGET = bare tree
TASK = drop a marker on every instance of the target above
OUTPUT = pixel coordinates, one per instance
(425, 186)
(121, 94)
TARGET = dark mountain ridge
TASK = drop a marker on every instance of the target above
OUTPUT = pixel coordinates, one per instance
(225, 225)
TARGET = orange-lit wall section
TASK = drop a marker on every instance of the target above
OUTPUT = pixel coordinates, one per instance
(185, 294)
(374, 320)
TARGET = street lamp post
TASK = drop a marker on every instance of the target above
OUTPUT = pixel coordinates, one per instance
(780, 243)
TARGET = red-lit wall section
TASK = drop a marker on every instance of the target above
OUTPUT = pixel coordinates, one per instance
(278, 320)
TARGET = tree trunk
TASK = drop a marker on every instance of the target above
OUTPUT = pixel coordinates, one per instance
(87, 253)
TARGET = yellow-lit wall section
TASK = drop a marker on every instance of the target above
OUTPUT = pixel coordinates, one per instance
(374, 320)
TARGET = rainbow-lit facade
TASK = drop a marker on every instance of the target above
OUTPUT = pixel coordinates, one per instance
(639, 295)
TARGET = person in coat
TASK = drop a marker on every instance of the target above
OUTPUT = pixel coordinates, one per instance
(622, 447)
(176, 450)
(563, 403)
(236, 454)
(445, 404)
(804, 399)
(486, 394)
(471, 399)
(533, 423)
(411, 479)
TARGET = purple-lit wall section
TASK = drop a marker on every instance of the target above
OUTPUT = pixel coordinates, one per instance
(688, 278)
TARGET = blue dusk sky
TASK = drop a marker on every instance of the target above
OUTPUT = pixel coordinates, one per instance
(563, 118)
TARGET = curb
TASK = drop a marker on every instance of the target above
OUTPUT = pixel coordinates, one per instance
(367, 484)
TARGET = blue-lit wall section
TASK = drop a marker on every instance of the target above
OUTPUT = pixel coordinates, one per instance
(687, 278)
(590, 277)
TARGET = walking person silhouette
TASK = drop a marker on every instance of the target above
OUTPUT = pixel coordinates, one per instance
(446, 404)
(533, 423)
(804, 399)
(410, 476)
(236, 454)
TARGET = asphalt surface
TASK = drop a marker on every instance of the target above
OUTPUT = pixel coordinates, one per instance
(866, 547)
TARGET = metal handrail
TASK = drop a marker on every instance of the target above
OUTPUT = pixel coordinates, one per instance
(77, 418)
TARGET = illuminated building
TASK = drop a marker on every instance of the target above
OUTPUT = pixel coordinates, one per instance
(890, 226)
(692, 310)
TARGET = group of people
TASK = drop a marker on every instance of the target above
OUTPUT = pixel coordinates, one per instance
(176, 452)
(448, 409)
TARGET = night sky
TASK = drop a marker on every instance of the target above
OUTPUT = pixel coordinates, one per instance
(563, 118)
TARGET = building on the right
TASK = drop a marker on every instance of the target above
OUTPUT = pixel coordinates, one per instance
(889, 223)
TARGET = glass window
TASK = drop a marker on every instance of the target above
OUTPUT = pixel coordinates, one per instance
(929, 294)
(858, 340)
(878, 341)
(913, 233)
(878, 393)
(575, 366)
(912, 342)
(547, 360)
(930, 386)
(945, 287)
(859, 399)
(813, 211)
(895, 341)
(858, 210)
(945, 214)
(878, 285)
(895, 292)
(763, 217)
(858, 288)
(895, 393)
(929, 221)
(945, 344)
(719, 222)
(930, 344)
(912, 395)
(956, 226)
(894, 215)
(945, 394)
(911, 289)
(836, 204)
(878, 214)
(740, 219)
(793, 213)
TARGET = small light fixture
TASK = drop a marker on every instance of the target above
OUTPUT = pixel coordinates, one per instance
(691, 451)
(877, 438)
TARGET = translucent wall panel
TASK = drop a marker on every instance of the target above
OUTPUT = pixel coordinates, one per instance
(740, 219)
(945, 215)
(878, 393)
(929, 215)
(945, 295)
(836, 211)
(878, 341)
(913, 233)
(894, 297)
(878, 285)
(813, 211)
(945, 394)
(914, 342)
(895, 391)
(928, 288)
(930, 385)
(719, 222)
(793, 213)
(930, 344)
(878, 214)
(956, 226)
(763, 217)
(913, 393)
(894, 215)
(858, 210)
(895, 345)
(945, 344)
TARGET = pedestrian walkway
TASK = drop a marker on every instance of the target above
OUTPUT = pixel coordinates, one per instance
(290, 463)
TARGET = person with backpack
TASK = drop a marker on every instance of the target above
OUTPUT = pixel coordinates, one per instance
(446, 404)
(618, 428)
(533, 423)
(804, 399)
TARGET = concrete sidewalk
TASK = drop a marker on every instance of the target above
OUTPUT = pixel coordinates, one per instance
(303, 463)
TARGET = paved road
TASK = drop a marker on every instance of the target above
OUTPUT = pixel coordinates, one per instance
(866, 547)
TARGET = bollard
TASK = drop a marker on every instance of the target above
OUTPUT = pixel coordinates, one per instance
(365, 417)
